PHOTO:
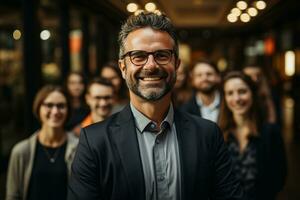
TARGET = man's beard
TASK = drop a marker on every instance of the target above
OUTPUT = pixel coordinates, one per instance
(208, 90)
(143, 92)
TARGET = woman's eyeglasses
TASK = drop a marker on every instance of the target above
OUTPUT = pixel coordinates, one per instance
(59, 106)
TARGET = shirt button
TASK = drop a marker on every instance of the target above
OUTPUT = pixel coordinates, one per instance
(152, 126)
(161, 178)
(157, 141)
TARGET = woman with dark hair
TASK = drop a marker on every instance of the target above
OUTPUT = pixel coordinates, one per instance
(111, 72)
(75, 87)
(40, 165)
(256, 147)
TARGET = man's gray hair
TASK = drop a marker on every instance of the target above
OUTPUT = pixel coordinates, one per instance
(156, 21)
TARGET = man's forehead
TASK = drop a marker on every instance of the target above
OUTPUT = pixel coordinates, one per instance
(148, 37)
(203, 67)
(97, 86)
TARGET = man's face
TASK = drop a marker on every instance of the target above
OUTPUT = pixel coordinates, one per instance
(204, 78)
(100, 99)
(150, 81)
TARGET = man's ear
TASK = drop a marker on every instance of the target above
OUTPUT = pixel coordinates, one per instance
(122, 67)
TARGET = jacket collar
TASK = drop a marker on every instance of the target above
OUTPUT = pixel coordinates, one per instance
(187, 142)
(124, 135)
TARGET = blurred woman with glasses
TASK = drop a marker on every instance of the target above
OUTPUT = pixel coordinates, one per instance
(39, 166)
(255, 146)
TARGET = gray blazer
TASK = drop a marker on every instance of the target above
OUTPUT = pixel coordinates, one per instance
(21, 164)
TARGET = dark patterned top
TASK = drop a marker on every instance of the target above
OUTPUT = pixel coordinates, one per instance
(244, 165)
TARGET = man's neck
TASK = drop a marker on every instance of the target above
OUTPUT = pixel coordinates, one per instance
(206, 99)
(154, 110)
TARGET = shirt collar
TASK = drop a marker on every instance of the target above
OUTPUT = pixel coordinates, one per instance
(141, 121)
(214, 104)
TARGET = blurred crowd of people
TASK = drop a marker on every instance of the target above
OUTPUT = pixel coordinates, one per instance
(240, 102)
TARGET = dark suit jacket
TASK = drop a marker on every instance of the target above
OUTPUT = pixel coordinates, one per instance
(191, 106)
(107, 164)
(271, 162)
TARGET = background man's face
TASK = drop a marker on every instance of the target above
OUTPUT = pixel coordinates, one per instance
(100, 99)
(204, 78)
(150, 81)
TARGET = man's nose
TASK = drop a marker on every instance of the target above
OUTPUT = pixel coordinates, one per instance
(151, 63)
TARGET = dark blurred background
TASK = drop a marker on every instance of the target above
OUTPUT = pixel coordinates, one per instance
(43, 40)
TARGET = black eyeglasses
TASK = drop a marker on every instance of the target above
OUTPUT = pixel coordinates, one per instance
(161, 57)
(59, 106)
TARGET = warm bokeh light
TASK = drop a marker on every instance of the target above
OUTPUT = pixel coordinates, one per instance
(245, 17)
(138, 12)
(232, 18)
(261, 5)
(252, 12)
(237, 12)
(132, 7)
(17, 34)
(289, 61)
(222, 64)
(157, 12)
(150, 7)
(242, 5)
(45, 34)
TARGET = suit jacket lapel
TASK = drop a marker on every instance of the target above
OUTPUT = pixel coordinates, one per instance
(187, 142)
(124, 135)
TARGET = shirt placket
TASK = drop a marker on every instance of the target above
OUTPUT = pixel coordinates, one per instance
(160, 167)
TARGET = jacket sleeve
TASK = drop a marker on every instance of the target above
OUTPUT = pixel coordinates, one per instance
(277, 158)
(225, 184)
(15, 174)
(83, 183)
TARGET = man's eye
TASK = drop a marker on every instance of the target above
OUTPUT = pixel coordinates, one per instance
(139, 56)
(162, 55)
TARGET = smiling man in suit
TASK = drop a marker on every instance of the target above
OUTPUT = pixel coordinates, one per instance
(149, 150)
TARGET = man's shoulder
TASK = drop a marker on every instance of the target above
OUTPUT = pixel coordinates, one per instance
(190, 106)
(195, 120)
(190, 101)
(103, 128)
(100, 127)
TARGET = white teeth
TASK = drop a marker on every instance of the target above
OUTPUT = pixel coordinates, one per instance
(151, 79)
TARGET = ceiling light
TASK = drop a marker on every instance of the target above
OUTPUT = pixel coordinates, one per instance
(252, 12)
(150, 7)
(132, 7)
(45, 34)
(237, 12)
(17, 34)
(289, 61)
(242, 5)
(232, 18)
(261, 5)
(245, 17)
